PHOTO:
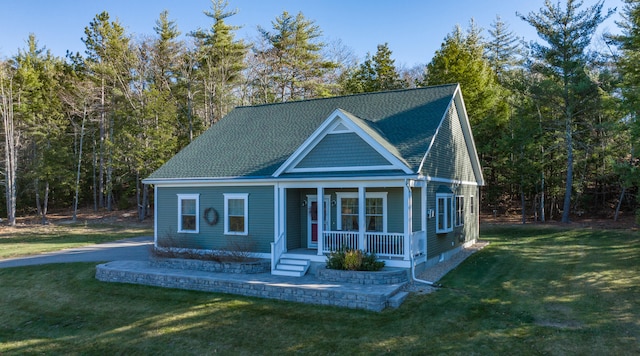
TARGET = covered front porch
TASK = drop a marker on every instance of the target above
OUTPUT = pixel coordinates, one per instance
(385, 217)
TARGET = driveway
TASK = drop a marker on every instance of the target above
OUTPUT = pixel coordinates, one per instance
(137, 248)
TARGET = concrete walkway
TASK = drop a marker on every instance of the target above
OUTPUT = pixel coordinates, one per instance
(136, 249)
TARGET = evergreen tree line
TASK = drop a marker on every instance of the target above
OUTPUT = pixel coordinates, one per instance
(555, 121)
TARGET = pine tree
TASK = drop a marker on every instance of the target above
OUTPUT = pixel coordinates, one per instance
(627, 63)
(11, 137)
(562, 62)
(78, 96)
(460, 59)
(293, 58)
(221, 61)
(503, 49)
(109, 62)
(166, 52)
(628, 43)
(39, 77)
(520, 161)
(377, 73)
(148, 137)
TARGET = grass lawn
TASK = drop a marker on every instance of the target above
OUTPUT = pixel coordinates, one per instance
(531, 291)
(35, 239)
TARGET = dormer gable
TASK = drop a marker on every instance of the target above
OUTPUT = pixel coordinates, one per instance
(344, 142)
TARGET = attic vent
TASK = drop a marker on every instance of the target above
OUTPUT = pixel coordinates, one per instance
(340, 128)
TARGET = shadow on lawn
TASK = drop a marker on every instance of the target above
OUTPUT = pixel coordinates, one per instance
(566, 279)
(542, 291)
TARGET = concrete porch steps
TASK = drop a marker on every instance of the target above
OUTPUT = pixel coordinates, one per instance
(397, 299)
(291, 267)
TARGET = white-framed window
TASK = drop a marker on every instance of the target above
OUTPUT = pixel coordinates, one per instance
(444, 212)
(459, 210)
(472, 205)
(188, 212)
(348, 209)
(375, 211)
(236, 214)
(348, 213)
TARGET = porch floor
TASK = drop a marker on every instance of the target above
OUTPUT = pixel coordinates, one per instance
(312, 255)
(305, 289)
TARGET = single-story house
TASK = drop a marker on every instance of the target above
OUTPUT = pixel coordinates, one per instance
(395, 173)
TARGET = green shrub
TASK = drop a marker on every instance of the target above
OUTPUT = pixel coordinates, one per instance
(335, 260)
(370, 262)
(353, 260)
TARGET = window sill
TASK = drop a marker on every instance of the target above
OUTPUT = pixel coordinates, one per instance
(441, 232)
(188, 231)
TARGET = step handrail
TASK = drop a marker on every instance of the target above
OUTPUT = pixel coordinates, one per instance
(277, 249)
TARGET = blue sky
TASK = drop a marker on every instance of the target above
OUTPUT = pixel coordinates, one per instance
(414, 29)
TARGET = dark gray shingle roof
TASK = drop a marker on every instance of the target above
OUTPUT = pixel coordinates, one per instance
(254, 141)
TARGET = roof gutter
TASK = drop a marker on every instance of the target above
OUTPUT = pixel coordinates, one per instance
(271, 180)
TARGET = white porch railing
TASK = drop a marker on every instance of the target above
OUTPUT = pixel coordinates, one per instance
(385, 244)
(382, 244)
(277, 249)
(335, 240)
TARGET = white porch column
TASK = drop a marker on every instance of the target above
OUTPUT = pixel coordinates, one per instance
(155, 215)
(408, 220)
(362, 217)
(320, 205)
(281, 201)
(423, 207)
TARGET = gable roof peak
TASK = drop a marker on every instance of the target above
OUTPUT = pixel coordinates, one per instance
(373, 93)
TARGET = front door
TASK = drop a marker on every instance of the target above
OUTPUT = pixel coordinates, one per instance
(312, 218)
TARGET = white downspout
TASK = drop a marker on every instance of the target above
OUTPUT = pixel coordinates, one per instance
(416, 279)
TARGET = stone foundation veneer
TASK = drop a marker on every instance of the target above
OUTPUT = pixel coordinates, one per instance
(260, 266)
(363, 277)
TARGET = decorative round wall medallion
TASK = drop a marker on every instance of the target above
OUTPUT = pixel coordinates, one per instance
(210, 216)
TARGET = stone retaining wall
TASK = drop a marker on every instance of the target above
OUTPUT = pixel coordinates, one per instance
(363, 277)
(260, 266)
(111, 272)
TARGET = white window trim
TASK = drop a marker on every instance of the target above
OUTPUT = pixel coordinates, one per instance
(195, 197)
(472, 207)
(459, 217)
(245, 197)
(447, 212)
(340, 195)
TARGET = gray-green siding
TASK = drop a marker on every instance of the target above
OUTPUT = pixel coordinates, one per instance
(342, 150)
(440, 243)
(449, 159)
(416, 197)
(449, 155)
(261, 217)
(212, 237)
